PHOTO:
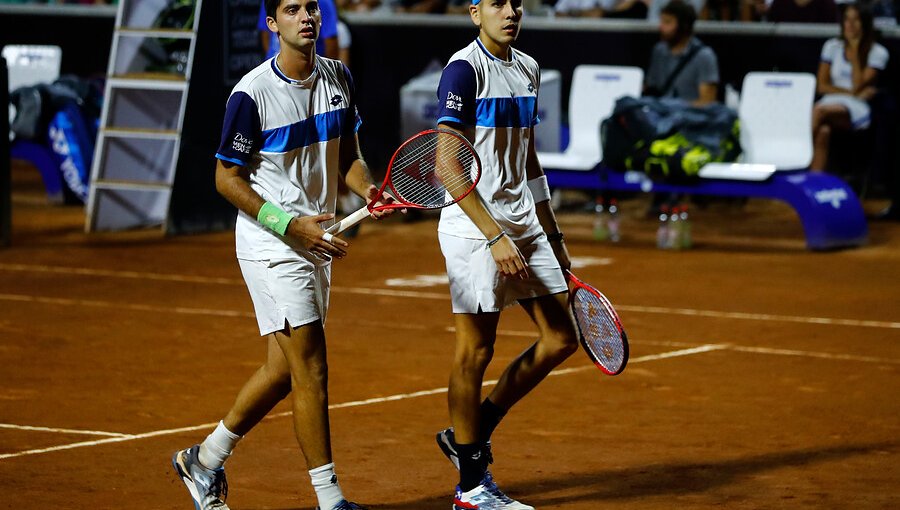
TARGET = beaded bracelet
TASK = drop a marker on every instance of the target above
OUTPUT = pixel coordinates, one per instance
(496, 239)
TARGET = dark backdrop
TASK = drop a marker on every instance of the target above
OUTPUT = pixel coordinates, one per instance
(388, 52)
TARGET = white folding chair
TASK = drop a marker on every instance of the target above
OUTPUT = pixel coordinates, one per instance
(592, 97)
(776, 126)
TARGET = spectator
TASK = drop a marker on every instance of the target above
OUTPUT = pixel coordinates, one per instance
(422, 6)
(803, 11)
(681, 66)
(359, 5)
(755, 10)
(719, 10)
(654, 6)
(629, 9)
(326, 44)
(847, 79)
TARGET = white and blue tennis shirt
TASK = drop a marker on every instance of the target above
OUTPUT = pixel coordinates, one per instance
(287, 133)
(498, 98)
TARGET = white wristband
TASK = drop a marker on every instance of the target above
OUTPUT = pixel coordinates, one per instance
(327, 237)
(540, 190)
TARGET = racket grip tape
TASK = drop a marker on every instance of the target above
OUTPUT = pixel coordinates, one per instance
(349, 221)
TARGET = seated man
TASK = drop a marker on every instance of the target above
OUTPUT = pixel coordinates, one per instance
(681, 66)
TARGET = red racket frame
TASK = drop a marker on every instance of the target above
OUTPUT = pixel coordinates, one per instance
(399, 203)
(612, 312)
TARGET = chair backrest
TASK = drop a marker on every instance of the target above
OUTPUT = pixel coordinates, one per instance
(776, 119)
(593, 95)
(31, 64)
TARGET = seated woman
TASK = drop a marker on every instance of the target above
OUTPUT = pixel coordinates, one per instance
(848, 75)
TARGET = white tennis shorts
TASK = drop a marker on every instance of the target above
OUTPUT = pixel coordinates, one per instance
(293, 291)
(860, 113)
(477, 285)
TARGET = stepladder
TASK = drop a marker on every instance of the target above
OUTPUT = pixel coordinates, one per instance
(138, 141)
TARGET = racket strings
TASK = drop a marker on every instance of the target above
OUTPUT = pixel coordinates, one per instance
(600, 331)
(454, 182)
(414, 190)
(415, 176)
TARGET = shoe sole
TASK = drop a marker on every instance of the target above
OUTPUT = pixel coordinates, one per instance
(185, 476)
(447, 448)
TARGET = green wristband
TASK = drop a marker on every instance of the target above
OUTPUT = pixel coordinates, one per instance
(274, 218)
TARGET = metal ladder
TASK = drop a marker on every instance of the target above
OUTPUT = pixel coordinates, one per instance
(139, 137)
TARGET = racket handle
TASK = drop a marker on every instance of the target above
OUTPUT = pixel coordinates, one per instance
(348, 222)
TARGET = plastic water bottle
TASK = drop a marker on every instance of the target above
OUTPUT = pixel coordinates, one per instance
(612, 223)
(662, 231)
(601, 231)
(673, 242)
(686, 241)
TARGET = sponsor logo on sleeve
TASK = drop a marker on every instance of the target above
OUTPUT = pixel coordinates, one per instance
(241, 143)
(454, 102)
(336, 100)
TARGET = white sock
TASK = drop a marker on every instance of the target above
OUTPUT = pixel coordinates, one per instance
(217, 447)
(325, 482)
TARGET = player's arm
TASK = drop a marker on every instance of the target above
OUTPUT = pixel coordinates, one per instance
(504, 251)
(537, 183)
(233, 183)
(357, 176)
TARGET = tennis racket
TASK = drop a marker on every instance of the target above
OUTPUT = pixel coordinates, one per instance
(600, 330)
(431, 170)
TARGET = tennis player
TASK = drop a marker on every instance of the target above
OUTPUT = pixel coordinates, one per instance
(502, 245)
(290, 128)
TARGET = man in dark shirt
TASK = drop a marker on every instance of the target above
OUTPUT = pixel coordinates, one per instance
(697, 78)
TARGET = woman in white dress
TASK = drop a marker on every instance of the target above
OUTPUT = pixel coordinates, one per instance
(848, 74)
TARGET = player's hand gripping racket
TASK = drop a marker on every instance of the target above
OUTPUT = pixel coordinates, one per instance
(431, 170)
(600, 330)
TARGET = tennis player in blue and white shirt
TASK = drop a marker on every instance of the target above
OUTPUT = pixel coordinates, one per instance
(502, 245)
(290, 129)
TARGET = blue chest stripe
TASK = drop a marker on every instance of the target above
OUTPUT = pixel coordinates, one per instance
(515, 112)
(318, 128)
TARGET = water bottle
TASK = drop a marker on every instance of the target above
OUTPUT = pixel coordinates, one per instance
(673, 242)
(686, 241)
(662, 231)
(612, 224)
(601, 232)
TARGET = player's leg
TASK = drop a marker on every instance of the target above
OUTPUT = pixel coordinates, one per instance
(201, 467)
(304, 350)
(268, 386)
(475, 335)
(558, 340)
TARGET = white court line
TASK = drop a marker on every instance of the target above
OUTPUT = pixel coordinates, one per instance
(61, 431)
(357, 403)
(759, 316)
(137, 275)
(810, 354)
(123, 306)
(437, 391)
(416, 295)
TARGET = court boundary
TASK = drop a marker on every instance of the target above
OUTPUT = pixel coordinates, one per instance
(117, 437)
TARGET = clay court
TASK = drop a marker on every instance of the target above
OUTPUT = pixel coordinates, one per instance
(762, 375)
